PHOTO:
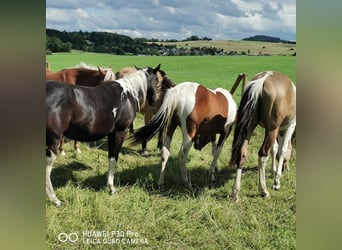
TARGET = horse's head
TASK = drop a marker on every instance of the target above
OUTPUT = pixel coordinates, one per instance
(164, 83)
(152, 80)
(200, 140)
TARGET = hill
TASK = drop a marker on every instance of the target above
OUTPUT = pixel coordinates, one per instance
(112, 43)
(263, 38)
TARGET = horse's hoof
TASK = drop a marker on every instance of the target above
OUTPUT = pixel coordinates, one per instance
(58, 203)
(111, 190)
(234, 198)
(276, 186)
(78, 151)
(265, 195)
(144, 152)
(62, 153)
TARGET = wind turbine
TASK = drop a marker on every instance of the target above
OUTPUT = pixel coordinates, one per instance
(182, 30)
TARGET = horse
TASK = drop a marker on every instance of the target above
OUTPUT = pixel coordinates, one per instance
(92, 113)
(80, 75)
(275, 154)
(269, 100)
(201, 113)
(163, 84)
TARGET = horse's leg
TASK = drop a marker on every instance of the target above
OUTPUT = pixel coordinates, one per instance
(244, 151)
(148, 116)
(270, 138)
(287, 158)
(183, 156)
(165, 153)
(216, 151)
(237, 183)
(274, 152)
(50, 158)
(77, 147)
(114, 145)
(213, 166)
(131, 128)
(283, 145)
(61, 147)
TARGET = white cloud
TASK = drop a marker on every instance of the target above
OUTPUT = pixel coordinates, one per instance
(219, 19)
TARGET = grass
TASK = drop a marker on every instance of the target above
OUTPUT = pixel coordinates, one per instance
(175, 218)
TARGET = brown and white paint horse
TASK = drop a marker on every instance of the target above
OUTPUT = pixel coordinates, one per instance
(164, 83)
(201, 113)
(269, 100)
(84, 75)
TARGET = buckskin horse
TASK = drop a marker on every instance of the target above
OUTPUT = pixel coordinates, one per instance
(269, 100)
(91, 113)
(84, 75)
(164, 83)
(201, 113)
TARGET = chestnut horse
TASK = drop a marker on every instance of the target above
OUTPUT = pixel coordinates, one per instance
(89, 114)
(80, 75)
(201, 113)
(164, 83)
(269, 100)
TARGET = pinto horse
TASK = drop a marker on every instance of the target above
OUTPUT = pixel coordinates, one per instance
(164, 83)
(83, 75)
(270, 101)
(201, 113)
(91, 113)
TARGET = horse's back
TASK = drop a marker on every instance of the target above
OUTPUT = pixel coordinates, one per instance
(184, 93)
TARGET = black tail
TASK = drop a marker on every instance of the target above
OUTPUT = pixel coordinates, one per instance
(150, 129)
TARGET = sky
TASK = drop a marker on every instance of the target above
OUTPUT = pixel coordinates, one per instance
(176, 19)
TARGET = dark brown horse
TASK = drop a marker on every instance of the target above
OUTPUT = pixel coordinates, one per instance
(270, 101)
(201, 113)
(91, 113)
(164, 83)
(82, 75)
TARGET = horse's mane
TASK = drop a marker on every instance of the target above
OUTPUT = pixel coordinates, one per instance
(163, 85)
(109, 73)
(83, 65)
(134, 83)
(124, 71)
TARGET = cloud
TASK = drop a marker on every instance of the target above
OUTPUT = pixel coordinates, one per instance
(166, 19)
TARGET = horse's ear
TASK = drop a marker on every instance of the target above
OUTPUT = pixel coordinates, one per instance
(156, 69)
(100, 70)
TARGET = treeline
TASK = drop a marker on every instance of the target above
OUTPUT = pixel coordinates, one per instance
(271, 39)
(101, 42)
(105, 42)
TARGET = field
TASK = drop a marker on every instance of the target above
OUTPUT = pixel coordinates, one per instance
(175, 218)
(251, 47)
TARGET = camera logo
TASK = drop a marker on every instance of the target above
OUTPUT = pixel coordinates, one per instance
(64, 237)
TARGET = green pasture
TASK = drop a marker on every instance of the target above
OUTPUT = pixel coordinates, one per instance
(176, 217)
(211, 71)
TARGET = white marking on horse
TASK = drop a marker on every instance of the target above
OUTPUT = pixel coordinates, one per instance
(114, 111)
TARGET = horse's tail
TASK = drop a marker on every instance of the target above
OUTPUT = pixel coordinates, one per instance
(246, 117)
(160, 122)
